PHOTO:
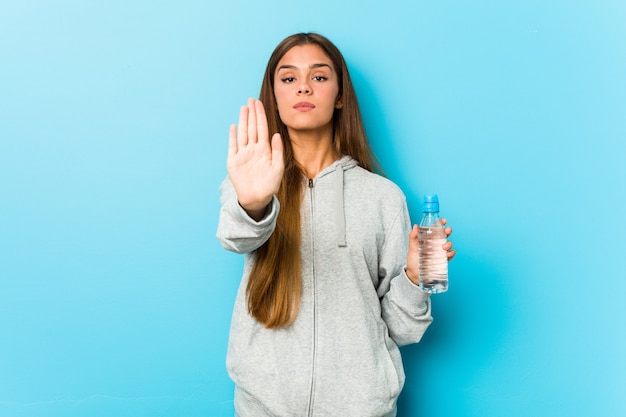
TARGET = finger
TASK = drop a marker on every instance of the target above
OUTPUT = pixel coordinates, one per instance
(242, 127)
(277, 150)
(261, 120)
(451, 254)
(444, 221)
(232, 141)
(252, 122)
(448, 231)
(447, 246)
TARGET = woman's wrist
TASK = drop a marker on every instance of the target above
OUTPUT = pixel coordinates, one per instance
(414, 277)
(256, 213)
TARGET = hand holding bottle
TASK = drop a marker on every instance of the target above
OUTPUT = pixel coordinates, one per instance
(255, 164)
(429, 250)
(413, 257)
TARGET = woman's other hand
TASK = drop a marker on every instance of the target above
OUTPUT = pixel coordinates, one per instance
(412, 263)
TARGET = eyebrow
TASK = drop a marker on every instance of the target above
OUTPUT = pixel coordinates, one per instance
(312, 66)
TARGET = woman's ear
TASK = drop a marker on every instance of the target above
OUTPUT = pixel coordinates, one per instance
(338, 103)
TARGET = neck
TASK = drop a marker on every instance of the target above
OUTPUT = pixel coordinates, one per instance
(313, 151)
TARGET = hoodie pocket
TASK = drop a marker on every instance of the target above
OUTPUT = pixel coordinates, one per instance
(393, 369)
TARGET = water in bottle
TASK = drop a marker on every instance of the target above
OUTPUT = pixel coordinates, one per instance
(433, 261)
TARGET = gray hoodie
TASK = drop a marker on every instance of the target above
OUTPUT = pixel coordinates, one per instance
(340, 356)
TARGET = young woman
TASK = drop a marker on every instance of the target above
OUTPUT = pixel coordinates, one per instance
(328, 291)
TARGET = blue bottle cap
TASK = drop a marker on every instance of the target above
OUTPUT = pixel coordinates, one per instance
(431, 203)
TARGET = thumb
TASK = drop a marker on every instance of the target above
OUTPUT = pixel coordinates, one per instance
(413, 240)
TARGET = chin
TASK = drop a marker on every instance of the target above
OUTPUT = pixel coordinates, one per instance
(308, 125)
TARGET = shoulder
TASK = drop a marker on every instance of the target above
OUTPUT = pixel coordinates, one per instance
(371, 183)
(376, 202)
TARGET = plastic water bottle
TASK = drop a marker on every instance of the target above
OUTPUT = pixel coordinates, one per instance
(433, 268)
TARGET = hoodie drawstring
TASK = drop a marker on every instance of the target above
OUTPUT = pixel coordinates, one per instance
(340, 217)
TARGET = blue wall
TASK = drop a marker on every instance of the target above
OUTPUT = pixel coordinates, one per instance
(115, 297)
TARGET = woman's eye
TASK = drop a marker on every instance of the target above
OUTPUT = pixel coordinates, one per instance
(288, 79)
(319, 78)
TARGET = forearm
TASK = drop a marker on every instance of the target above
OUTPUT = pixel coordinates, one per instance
(406, 310)
(237, 231)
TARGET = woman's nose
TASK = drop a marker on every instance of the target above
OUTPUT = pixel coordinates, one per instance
(304, 89)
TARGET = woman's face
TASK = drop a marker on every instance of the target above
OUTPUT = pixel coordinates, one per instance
(306, 88)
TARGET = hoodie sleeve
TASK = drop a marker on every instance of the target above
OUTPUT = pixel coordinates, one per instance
(405, 307)
(237, 231)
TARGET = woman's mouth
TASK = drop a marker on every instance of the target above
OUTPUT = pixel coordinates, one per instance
(304, 106)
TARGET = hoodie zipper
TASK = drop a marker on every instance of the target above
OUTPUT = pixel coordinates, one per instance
(314, 290)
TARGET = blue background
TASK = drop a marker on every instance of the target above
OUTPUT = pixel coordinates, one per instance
(115, 296)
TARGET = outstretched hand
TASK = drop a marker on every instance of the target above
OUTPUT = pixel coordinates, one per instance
(412, 263)
(255, 164)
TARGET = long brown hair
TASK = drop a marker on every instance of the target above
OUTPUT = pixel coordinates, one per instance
(274, 284)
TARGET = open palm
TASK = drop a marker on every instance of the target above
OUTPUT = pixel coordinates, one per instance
(255, 164)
